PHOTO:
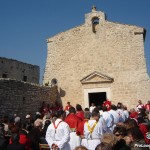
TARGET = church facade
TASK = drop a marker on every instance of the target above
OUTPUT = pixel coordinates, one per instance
(99, 60)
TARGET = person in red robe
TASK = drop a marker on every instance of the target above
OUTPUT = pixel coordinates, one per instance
(79, 112)
(143, 126)
(107, 104)
(23, 136)
(73, 121)
(133, 113)
(68, 106)
(80, 128)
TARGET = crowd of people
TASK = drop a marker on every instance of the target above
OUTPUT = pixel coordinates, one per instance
(106, 127)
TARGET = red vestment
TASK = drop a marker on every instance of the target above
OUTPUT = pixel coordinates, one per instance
(144, 130)
(23, 139)
(147, 107)
(140, 106)
(67, 107)
(133, 115)
(72, 120)
(80, 128)
(107, 104)
(80, 114)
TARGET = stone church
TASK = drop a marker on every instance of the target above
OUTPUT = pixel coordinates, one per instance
(99, 60)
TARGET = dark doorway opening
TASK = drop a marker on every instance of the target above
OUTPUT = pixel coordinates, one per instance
(97, 98)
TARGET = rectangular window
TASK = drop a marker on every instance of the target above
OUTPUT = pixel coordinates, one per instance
(25, 78)
(4, 75)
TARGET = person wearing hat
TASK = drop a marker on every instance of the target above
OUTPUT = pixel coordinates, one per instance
(17, 119)
(27, 116)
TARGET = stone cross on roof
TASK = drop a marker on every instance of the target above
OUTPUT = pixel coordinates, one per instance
(93, 8)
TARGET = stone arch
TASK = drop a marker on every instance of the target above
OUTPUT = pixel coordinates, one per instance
(95, 22)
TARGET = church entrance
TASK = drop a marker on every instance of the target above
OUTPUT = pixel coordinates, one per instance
(97, 98)
(96, 95)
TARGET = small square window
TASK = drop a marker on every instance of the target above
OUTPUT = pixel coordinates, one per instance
(4, 75)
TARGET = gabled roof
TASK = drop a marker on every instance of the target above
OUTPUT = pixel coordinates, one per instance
(96, 77)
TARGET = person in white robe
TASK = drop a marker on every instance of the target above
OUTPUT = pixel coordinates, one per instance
(108, 119)
(103, 124)
(114, 113)
(87, 116)
(122, 117)
(93, 131)
(92, 107)
(58, 133)
(126, 112)
(101, 120)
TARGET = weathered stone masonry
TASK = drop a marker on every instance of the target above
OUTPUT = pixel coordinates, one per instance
(85, 58)
(17, 70)
(21, 97)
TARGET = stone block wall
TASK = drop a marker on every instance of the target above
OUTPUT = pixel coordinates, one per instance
(115, 50)
(13, 69)
(23, 98)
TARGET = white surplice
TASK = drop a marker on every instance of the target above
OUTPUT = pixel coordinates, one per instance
(59, 136)
(115, 115)
(92, 139)
(109, 120)
(121, 114)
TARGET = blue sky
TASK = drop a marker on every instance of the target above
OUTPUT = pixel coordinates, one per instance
(26, 24)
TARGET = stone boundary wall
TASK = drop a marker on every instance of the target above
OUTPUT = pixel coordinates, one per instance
(23, 98)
